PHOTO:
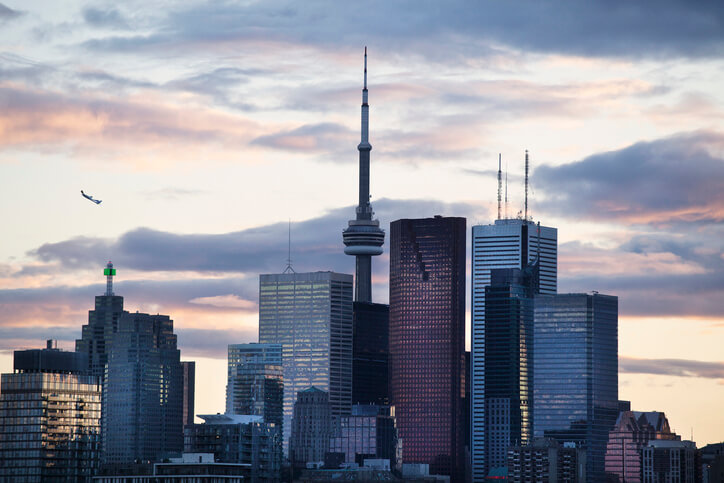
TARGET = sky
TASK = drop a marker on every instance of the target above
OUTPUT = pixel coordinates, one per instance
(207, 127)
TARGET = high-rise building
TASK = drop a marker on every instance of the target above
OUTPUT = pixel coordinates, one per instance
(575, 340)
(508, 362)
(102, 324)
(310, 315)
(665, 460)
(633, 431)
(143, 391)
(311, 427)
(368, 433)
(508, 243)
(363, 237)
(370, 354)
(50, 410)
(545, 460)
(189, 371)
(427, 340)
(256, 381)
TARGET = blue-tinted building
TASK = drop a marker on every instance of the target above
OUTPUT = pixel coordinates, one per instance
(575, 364)
(370, 354)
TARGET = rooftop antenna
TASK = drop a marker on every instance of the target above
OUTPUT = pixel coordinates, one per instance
(526, 186)
(500, 181)
(506, 190)
(289, 268)
(109, 272)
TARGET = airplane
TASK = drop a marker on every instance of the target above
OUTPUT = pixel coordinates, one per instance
(98, 202)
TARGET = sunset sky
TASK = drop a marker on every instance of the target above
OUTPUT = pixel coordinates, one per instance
(206, 126)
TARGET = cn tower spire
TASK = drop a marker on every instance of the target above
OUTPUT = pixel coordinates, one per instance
(363, 237)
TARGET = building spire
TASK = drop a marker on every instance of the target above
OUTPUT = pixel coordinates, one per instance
(109, 272)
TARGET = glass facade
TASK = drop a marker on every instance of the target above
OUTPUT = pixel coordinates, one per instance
(310, 315)
(369, 432)
(189, 371)
(427, 340)
(370, 354)
(575, 363)
(143, 392)
(98, 332)
(49, 423)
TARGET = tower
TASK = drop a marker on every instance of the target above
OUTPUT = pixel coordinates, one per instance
(363, 237)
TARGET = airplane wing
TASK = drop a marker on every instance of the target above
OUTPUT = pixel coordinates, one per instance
(89, 197)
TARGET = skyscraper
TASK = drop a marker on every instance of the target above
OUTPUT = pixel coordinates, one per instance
(370, 354)
(50, 410)
(576, 341)
(310, 315)
(102, 324)
(311, 427)
(364, 238)
(143, 391)
(427, 340)
(189, 372)
(508, 243)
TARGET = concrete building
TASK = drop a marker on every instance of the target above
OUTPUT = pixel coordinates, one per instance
(368, 434)
(311, 427)
(189, 468)
(50, 410)
(239, 439)
(670, 461)
(507, 243)
(310, 315)
(545, 460)
(427, 341)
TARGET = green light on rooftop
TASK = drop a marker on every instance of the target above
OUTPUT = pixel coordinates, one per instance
(109, 271)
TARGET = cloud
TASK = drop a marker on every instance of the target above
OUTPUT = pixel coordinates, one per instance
(225, 301)
(310, 138)
(7, 13)
(672, 367)
(110, 18)
(212, 343)
(670, 180)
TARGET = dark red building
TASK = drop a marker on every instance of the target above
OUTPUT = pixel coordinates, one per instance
(427, 341)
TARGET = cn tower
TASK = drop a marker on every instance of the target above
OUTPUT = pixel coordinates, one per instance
(363, 237)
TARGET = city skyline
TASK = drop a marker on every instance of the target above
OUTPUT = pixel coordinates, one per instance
(203, 142)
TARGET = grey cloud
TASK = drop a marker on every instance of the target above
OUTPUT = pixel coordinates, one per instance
(212, 343)
(110, 18)
(672, 367)
(20, 338)
(674, 179)
(328, 137)
(7, 13)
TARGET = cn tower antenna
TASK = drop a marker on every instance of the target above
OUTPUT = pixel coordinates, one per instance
(500, 181)
(506, 190)
(526, 186)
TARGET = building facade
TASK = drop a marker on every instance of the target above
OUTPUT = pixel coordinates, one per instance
(310, 315)
(427, 340)
(575, 364)
(143, 391)
(508, 243)
(369, 433)
(370, 354)
(670, 461)
(50, 410)
(546, 461)
(189, 394)
(311, 427)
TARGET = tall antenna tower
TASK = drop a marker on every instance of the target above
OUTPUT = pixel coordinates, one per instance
(525, 216)
(506, 190)
(289, 268)
(500, 181)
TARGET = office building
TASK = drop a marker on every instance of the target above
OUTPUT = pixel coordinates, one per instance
(368, 433)
(370, 354)
(545, 460)
(50, 410)
(189, 468)
(255, 381)
(666, 460)
(310, 315)
(633, 431)
(311, 427)
(239, 439)
(427, 341)
(189, 393)
(508, 362)
(143, 392)
(102, 324)
(712, 463)
(363, 237)
(508, 243)
(575, 340)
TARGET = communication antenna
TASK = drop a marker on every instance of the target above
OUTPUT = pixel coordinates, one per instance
(506, 190)
(526, 186)
(289, 268)
(500, 180)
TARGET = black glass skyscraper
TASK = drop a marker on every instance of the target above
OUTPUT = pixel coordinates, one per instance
(427, 340)
(575, 364)
(370, 354)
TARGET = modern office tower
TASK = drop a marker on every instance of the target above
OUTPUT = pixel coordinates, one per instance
(427, 340)
(363, 237)
(633, 431)
(311, 427)
(663, 460)
(712, 463)
(545, 460)
(370, 353)
(575, 340)
(50, 410)
(508, 362)
(369, 433)
(189, 373)
(310, 315)
(508, 243)
(102, 324)
(143, 392)
(234, 438)
(255, 381)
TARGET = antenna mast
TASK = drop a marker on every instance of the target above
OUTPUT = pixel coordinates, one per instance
(506, 190)
(500, 180)
(526, 186)
(289, 268)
